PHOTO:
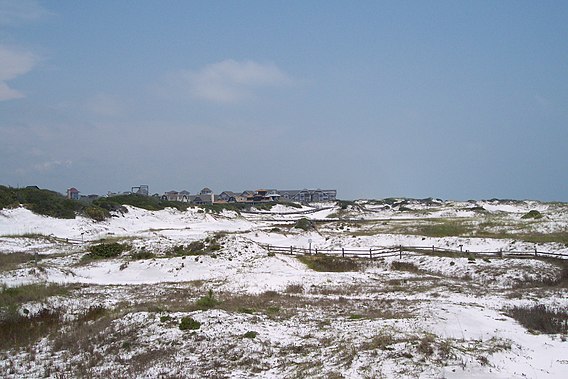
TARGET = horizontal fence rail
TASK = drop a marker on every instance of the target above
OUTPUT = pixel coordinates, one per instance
(67, 240)
(390, 251)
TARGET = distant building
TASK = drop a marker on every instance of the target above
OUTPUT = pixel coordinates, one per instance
(228, 196)
(143, 189)
(171, 196)
(73, 193)
(308, 196)
(182, 196)
(206, 191)
(206, 196)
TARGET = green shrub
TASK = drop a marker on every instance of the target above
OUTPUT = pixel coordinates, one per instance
(214, 246)
(304, 224)
(533, 214)
(165, 318)
(106, 250)
(207, 302)
(188, 323)
(326, 263)
(150, 203)
(355, 317)
(196, 247)
(210, 244)
(344, 204)
(142, 254)
(44, 202)
(250, 334)
(97, 213)
(8, 198)
(246, 310)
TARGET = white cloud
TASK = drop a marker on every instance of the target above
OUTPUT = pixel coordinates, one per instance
(20, 11)
(13, 63)
(50, 165)
(106, 105)
(43, 167)
(232, 81)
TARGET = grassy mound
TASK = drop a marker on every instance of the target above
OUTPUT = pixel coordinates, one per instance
(43, 202)
(150, 203)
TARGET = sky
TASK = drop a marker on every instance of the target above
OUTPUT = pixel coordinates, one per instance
(446, 99)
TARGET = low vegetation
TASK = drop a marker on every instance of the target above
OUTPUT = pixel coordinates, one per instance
(304, 224)
(188, 323)
(208, 245)
(539, 318)
(97, 213)
(12, 260)
(327, 263)
(18, 330)
(486, 227)
(44, 202)
(250, 334)
(207, 302)
(17, 326)
(142, 254)
(13, 297)
(106, 250)
(533, 214)
(151, 203)
(404, 266)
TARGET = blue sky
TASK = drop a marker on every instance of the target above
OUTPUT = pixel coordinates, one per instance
(457, 100)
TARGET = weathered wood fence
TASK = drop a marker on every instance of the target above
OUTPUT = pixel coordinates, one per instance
(400, 250)
(67, 240)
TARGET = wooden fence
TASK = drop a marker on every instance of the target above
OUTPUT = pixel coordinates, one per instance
(67, 240)
(400, 250)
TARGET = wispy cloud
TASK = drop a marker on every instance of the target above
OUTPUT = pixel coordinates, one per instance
(231, 81)
(20, 11)
(43, 167)
(13, 63)
(50, 165)
(106, 105)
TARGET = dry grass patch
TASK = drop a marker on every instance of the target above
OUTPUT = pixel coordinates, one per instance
(405, 266)
(540, 319)
(294, 288)
(327, 263)
(11, 261)
(282, 305)
(17, 330)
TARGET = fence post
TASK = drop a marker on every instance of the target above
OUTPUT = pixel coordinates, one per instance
(432, 248)
(371, 253)
(316, 251)
(400, 251)
(535, 252)
(501, 253)
(269, 248)
(343, 252)
(291, 253)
